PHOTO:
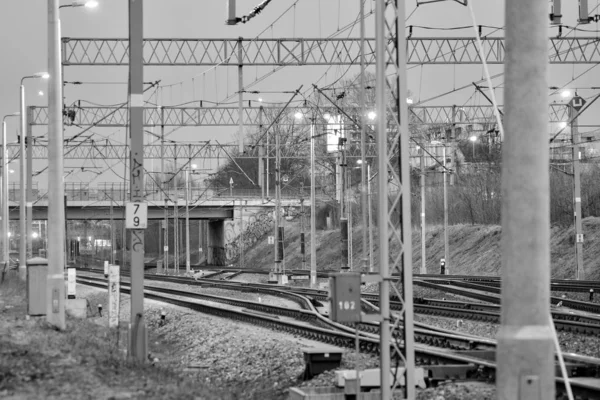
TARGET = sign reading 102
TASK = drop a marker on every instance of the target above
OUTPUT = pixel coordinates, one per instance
(346, 305)
(136, 215)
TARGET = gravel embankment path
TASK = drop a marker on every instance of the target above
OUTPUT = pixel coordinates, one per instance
(229, 353)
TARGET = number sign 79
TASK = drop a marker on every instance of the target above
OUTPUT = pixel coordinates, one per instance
(136, 215)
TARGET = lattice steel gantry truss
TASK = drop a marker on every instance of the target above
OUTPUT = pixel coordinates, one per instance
(270, 52)
(115, 117)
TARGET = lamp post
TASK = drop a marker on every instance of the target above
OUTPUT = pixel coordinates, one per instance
(313, 205)
(187, 217)
(24, 228)
(473, 139)
(55, 288)
(5, 224)
(313, 211)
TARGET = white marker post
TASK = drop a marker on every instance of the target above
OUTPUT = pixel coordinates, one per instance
(114, 289)
(71, 283)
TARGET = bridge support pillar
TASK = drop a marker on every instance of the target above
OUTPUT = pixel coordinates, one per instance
(216, 243)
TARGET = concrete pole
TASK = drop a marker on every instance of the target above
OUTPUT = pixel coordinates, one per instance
(166, 237)
(370, 212)
(4, 195)
(363, 140)
(423, 253)
(5, 198)
(241, 234)
(176, 229)
(343, 209)
(446, 247)
(175, 220)
(187, 220)
(384, 286)
(278, 261)
(267, 166)
(22, 190)
(113, 245)
(261, 156)
(29, 174)
(55, 288)
(525, 353)
(138, 337)
(164, 190)
(576, 139)
(313, 211)
(302, 236)
(405, 266)
(240, 96)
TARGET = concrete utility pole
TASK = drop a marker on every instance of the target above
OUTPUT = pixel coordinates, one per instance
(261, 156)
(576, 139)
(446, 247)
(22, 190)
(343, 211)
(370, 212)
(138, 337)
(29, 174)
(55, 288)
(525, 353)
(313, 210)
(187, 218)
(363, 140)
(423, 255)
(165, 192)
(175, 220)
(241, 96)
(113, 244)
(5, 199)
(302, 236)
(241, 233)
(278, 245)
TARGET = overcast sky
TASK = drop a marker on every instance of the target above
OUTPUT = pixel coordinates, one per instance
(23, 44)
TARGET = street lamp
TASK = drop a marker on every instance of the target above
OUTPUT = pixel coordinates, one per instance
(187, 217)
(25, 211)
(313, 207)
(473, 139)
(5, 170)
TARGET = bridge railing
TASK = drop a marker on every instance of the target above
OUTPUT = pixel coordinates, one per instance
(117, 192)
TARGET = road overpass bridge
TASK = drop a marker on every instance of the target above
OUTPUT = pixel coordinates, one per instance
(225, 214)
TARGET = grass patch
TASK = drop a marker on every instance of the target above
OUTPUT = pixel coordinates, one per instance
(88, 360)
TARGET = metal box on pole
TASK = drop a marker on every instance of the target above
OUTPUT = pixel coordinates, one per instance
(37, 273)
(344, 289)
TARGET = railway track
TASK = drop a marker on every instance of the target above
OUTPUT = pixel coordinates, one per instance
(574, 304)
(563, 321)
(480, 360)
(309, 314)
(424, 355)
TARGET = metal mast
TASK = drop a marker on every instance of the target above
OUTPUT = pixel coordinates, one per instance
(393, 192)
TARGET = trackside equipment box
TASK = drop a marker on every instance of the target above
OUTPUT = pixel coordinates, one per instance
(37, 272)
(344, 291)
